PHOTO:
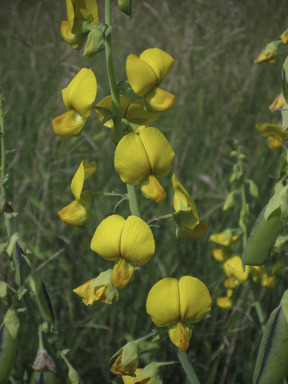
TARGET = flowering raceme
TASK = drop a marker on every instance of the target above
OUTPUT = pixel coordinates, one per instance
(146, 73)
(78, 212)
(142, 158)
(82, 15)
(189, 227)
(132, 113)
(78, 98)
(175, 304)
(127, 242)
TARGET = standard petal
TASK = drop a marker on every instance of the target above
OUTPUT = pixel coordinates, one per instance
(75, 214)
(141, 76)
(152, 189)
(160, 61)
(195, 299)
(83, 8)
(159, 100)
(106, 239)
(66, 32)
(159, 151)
(136, 111)
(137, 241)
(131, 160)
(70, 13)
(163, 304)
(68, 124)
(81, 92)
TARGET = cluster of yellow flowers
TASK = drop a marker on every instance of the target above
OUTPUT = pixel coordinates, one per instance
(142, 156)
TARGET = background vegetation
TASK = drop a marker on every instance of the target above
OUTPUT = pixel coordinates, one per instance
(220, 96)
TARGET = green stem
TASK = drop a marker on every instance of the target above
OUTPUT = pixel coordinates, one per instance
(61, 374)
(244, 213)
(111, 76)
(188, 368)
(3, 165)
(156, 218)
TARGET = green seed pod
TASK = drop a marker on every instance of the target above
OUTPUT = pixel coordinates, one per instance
(262, 238)
(46, 377)
(125, 6)
(272, 360)
(8, 346)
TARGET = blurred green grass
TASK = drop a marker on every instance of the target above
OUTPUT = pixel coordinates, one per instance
(220, 96)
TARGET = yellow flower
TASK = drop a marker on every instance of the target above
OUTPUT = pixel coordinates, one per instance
(261, 273)
(234, 271)
(131, 112)
(82, 15)
(146, 73)
(128, 242)
(78, 212)
(266, 58)
(175, 304)
(274, 133)
(227, 301)
(130, 379)
(226, 242)
(99, 289)
(142, 158)
(278, 103)
(189, 227)
(126, 370)
(78, 98)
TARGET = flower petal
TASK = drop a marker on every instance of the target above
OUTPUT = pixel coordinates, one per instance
(141, 76)
(66, 32)
(75, 213)
(136, 111)
(123, 273)
(160, 61)
(278, 103)
(68, 124)
(84, 171)
(70, 13)
(137, 241)
(236, 263)
(90, 295)
(131, 161)
(163, 304)
(195, 299)
(221, 239)
(225, 302)
(81, 92)
(159, 151)
(181, 196)
(152, 189)
(197, 232)
(180, 335)
(106, 103)
(106, 239)
(83, 8)
(159, 100)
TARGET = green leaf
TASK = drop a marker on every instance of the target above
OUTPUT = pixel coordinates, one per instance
(279, 199)
(284, 113)
(272, 47)
(230, 200)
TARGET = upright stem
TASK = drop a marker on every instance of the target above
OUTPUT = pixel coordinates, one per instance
(3, 165)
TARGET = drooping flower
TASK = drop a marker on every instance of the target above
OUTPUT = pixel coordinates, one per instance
(99, 289)
(189, 227)
(132, 113)
(127, 358)
(78, 98)
(226, 240)
(278, 103)
(78, 212)
(145, 75)
(269, 53)
(142, 159)
(274, 133)
(175, 304)
(127, 242)
(234, 271)
(82, 15)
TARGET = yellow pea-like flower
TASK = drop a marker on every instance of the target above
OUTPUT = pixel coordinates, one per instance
(127, 242)
(226, 302)
(78, 212)
(220, 254)
(78, 98)
(146, 73)
(142, 159)
(133, 112)
(233, 269)
(175, 304)
(276, 137)
(278, 102)
(189, 226)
